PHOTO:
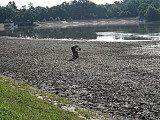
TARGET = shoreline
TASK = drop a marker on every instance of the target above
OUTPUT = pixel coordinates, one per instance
(105, 22)
(101, 22)
(96, 22)
(116, 78)
(75, 23)
(77, 40)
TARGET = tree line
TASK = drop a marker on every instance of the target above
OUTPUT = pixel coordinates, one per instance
(82, 10)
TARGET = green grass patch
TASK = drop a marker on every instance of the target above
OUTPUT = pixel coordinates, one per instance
(20, 101)
(17, 103)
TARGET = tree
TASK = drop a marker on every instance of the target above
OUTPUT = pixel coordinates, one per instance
(12, 4)
(7, 13)
(83, 9)
(30, 5)
(152, 14)
(142, 10)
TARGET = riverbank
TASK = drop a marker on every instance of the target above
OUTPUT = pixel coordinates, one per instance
(101, 22)
(98, 22)
(32, 104)
(116, 78)
(72, 23)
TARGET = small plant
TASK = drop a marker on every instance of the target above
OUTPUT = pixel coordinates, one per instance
(51, 19)
(7, 21)
(58, 19)
(44, 20)
(69, 19)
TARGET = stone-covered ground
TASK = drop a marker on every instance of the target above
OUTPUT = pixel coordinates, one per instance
(121, 79)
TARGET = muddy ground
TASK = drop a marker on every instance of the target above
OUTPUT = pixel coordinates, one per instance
(121, 79)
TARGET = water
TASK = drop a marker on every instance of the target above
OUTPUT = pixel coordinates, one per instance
(95, 33)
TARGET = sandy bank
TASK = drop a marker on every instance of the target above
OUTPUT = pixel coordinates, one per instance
(116, 78)
(103, 22)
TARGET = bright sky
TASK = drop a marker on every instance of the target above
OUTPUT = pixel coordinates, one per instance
(48, 3)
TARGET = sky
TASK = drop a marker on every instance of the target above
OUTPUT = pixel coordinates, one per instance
(49, 3)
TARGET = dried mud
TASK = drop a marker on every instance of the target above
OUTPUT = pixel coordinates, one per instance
(121, 79)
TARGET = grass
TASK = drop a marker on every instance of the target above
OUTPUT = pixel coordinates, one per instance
(19, 101)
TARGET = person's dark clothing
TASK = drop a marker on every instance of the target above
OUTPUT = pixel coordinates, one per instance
(75, 50)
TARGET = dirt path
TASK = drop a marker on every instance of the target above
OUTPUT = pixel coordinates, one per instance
(116, 78)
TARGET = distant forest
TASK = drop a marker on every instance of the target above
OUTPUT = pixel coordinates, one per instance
(82, 10)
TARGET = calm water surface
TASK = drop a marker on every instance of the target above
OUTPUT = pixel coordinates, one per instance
(96, 33)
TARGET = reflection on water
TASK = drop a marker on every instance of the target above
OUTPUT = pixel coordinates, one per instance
(99, 33)
(113, 36)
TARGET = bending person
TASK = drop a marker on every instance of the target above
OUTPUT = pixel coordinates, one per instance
(75, 50)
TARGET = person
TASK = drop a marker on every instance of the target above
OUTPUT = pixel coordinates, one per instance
(75, 50)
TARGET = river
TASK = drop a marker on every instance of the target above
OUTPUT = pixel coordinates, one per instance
(115, 32)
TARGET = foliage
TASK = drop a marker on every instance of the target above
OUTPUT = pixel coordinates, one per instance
(152, 14)
(58, 19)
(51, 19)
(82, 9)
